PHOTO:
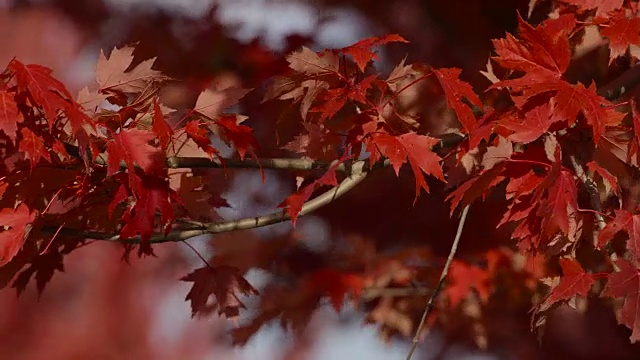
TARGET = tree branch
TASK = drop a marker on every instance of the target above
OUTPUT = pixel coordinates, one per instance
(358, 173)
(443, 276)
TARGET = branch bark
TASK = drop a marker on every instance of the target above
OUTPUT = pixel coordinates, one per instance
(358, 173)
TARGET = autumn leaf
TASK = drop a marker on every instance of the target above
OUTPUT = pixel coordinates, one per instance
(225, 283)
(132, 146)
(623, 221)
(334, 284)
(626, 284)
(308, 62)
(602, 6)
(46, 91)
(33, 147)
(114, 74)
(151, 194)
(293, 203)
(212, 102)
(201, 137)
(574, 281)
(362, 51)
(463, 278)
(160, 127)
(17, 224)
(412, 147)
(9, 115)
(622, 31)
(560, 204)
(456, 89)
(240, 136)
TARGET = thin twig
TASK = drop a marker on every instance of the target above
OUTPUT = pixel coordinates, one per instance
(358, 174)
(443, 276)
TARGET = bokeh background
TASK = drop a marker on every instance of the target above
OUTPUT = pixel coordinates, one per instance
(103, 308)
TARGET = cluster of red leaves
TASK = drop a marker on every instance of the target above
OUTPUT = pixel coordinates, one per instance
(113, 151)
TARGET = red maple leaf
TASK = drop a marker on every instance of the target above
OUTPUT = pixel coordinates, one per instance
(293, 203)
(560, 204)
(33, 147)
(456, 89)
(115, 73)
(335, 284)
(225, 283)
(535, 123)
(412, 147)
(160, 127)
(623, 221)
(45, 90)
(602, 6)
(543, 51)
(151, 194)
(240, 135)
(574, 281)
(361, 51)
(464, 277)
(17, 223)
(132, 146)
(622, 32)
(201, 137)
(626, 284)
(9, 115)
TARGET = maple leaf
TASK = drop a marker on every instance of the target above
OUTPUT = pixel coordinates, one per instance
(574, 281)
(454, 90)
(132, 146)
(160, 127)
(412, 147)
(9, 115)
(560, 204)
(308, 62)
(475, 187)
(45, 90)
(43, 266)
(335, 284)
(151, 194)
(293, 203)
(201, 137)
(536, 122)
(225, 283)
(240, 135)
(33, 147)
(543, 52)
(17, 224)
(623, 221)
(211, 103)
(361, 51)
(622, 32)
(112, 74)
(626, 284)
(464, 277)
(602, 6)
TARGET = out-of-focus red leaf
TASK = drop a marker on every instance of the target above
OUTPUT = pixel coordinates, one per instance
(18, 223)
(626, 284)
(9, 115)
(362, 51)
(225, 283)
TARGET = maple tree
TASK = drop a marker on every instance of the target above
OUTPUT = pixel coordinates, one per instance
(553, 157)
